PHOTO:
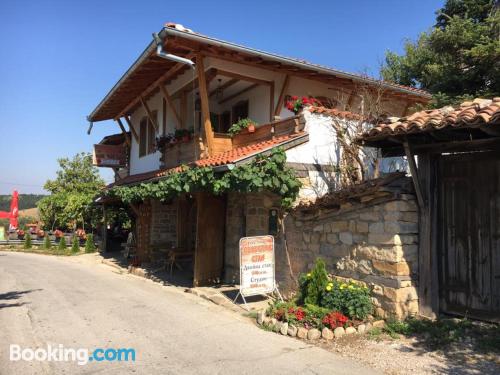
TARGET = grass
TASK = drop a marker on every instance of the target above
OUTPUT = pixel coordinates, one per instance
(38, 249)
(440, 334)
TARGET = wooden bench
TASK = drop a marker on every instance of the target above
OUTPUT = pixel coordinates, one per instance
(176, 256)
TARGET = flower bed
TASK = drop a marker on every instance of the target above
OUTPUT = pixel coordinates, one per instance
(325, 307)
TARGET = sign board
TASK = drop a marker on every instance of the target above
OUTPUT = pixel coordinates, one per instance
(114, 156)
(257, 265)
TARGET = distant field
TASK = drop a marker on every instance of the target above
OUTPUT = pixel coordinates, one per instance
(29, 212)
(25, 201)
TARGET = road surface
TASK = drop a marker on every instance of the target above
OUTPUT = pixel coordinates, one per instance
(76, 302)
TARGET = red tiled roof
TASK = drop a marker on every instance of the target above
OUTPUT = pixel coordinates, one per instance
(334, 112)
(470, 114)
(224, 158)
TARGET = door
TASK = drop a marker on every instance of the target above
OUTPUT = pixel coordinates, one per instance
(209, 253)
(469, 217)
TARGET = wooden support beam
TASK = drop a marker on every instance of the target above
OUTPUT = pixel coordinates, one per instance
(205, 109)
(271, 102)
(281, 98)
(350, 101)
(183, 113)
(224, 86)
(124, 132)
(171, 105)
(251, 87)
(150, 114)
(242, 77)
(414, 175)
(132, 129)
(169, 74)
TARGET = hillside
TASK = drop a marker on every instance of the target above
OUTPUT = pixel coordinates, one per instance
(25, 201)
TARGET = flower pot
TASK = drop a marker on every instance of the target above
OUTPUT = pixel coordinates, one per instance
(251, 128)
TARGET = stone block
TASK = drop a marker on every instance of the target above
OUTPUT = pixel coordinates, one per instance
(339, 332)
(327, 333)
(346, 238)
(302, 333)
(401, 294)
(292, 331)
(400, 227)
(384, 239)
(370, 216)
(326, 249)
(376, 228)
(350, 330)
(284, 329)
(361, 328)
(339, 226)
(313, 334)
(332, 238)
(389, 268)
(362, 227)
(318, 228)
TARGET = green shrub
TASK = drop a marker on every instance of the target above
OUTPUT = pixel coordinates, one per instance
(349, 298)
(75, 245)
(27, 241)
(46, 242)
(89, 244)
(314, 315)
(62, 244)
(313, 284)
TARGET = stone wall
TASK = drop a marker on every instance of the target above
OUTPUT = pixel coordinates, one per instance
(375, 242)
(163, 224)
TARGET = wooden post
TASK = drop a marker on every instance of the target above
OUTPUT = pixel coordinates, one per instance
(183, 110)
(205, 109)
(414, 174)
(271, 101)
(281, 98)
(132, 130)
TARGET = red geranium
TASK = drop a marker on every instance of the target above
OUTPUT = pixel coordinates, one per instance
(295, 104)
(335, 319)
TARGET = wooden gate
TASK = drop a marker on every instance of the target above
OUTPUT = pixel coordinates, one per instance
(469, 249)
(209, 253)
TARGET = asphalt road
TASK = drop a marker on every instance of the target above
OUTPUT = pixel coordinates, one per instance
(46, 300)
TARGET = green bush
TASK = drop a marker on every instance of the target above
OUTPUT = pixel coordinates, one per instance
(62, 244)
(75, 245)
(46, 243)
(349, 298)
(313, 284)
(89, 244)
(27, 241)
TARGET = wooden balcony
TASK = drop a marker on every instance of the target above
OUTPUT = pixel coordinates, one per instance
(186, 152)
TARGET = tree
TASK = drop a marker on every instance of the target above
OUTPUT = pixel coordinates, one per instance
(89, 244)
(75, 246)
(62, 245)
(70, 203)
(27, 241)
(46, 243)
(459, 58)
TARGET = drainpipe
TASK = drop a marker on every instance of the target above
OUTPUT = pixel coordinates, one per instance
(160, 52)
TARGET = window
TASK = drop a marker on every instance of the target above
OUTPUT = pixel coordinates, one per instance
(147, 136)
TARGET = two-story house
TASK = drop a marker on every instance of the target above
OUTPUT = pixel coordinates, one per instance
(175, 106)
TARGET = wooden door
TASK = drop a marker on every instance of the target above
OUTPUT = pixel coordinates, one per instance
(209, 253)
(469, 217)
(143, 228)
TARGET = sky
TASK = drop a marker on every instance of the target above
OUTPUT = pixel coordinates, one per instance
(58, 59)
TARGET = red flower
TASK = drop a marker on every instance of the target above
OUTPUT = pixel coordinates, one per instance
(335, 319)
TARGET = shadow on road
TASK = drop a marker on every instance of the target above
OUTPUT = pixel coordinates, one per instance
(9, 296)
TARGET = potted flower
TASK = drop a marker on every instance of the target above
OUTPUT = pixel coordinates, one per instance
(20, 234)
(244, 123)
(296, 104)
(163, 141)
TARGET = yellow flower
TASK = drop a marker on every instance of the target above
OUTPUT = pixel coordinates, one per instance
(342, 286)
(330, 284)
(351, 287)
(328, 287)
(309, 274)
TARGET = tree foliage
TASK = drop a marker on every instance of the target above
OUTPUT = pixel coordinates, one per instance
(264, 173)
(459, 58)
(72, 192)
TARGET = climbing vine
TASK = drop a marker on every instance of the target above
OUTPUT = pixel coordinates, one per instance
(263, 173)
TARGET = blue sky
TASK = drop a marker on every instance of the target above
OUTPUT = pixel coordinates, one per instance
(59, 58)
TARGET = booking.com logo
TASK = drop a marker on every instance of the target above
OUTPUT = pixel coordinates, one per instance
(81, 356)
